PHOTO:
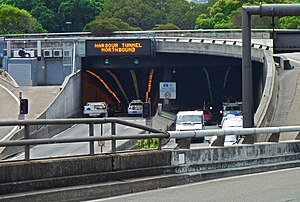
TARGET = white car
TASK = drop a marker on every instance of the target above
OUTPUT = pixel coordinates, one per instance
(232, 123)
(190, 121)
(135, 108)
(95, 109)
(235, 123)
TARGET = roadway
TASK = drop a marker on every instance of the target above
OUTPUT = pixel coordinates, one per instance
(288, 105)
(281, 185)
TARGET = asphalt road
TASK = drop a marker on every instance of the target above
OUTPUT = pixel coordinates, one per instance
(275, 186)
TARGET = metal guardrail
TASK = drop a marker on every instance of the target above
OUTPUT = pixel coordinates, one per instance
(154, 133)
(27, 142)
(241, 132)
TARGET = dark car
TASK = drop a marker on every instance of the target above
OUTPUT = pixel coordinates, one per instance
(207, 116)
(117, 109)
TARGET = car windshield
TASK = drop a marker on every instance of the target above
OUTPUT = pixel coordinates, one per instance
(233, 108)
(189, 119)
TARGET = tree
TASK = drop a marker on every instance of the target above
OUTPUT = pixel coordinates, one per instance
(228, 14)
(78, 12)
(148, 14)
(105, 26)
(168, 26)
(53, 15)
(16, 21)
(203, 22)
(290, 22)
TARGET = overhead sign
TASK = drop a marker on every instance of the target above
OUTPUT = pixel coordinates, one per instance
(122, 47)
(167, 90)
(286, 41)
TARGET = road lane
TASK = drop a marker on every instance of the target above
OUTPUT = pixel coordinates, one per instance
(281, 185)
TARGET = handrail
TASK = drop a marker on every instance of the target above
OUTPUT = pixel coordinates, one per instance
(223, 132)
(27, 142)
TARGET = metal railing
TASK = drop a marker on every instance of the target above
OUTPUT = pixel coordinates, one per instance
(27, 142)
(153, 133)
(238, 132)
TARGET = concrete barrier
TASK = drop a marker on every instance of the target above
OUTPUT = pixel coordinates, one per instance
(94, 177)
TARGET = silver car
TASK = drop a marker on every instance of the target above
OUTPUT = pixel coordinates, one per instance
(135, 108)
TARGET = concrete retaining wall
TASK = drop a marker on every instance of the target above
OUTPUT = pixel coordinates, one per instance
(234, 153)
(265, 111)
(68, 101)
(84, 165)
(105, 170)
(66, 104)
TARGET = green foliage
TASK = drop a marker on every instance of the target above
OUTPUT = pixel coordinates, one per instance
(168, 26)
(147, 14)
(53, 15)
(104, 26)
(16, 21)
(228, 14)
(143, 144)
(290, 22)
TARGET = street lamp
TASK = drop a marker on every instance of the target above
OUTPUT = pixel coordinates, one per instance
(68, 25)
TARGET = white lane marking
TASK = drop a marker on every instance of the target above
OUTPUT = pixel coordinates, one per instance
(17, 100)
(15, 97)
(293, 60)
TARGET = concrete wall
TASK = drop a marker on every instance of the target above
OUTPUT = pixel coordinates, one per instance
(68, 101)
(234, 153)
(265, 112)
(66, 104)
(61, 172)
(63, 167)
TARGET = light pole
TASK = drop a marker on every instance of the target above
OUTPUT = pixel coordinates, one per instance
(68, 25)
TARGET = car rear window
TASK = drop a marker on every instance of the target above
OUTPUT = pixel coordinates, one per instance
(136, 104)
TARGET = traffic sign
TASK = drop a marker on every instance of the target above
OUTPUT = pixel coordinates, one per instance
(101, 143)
(167, 90)
(167, 95)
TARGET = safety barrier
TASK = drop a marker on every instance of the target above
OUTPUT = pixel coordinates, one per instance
(153, 133)
(27, 142)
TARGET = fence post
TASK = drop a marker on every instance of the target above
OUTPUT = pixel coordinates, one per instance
(113, 142)
(159, 143)
(91, 133)
(27, 147)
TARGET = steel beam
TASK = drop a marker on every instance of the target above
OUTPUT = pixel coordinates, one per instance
(262, 10)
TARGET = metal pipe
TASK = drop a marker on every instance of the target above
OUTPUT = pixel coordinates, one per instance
(248, 118)
(113, 141)
(169, 134)
(91, 133)
(77, 121)
(82, 139)
(274, 10)
(27, 147)
(247, 86)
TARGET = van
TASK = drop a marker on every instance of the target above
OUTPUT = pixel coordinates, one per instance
(190, 121)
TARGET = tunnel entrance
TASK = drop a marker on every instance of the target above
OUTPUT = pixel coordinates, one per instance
(201, 80)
